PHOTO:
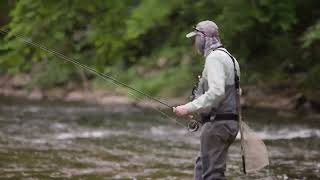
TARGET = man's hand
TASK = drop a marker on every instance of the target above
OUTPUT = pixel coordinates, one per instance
(180, 110)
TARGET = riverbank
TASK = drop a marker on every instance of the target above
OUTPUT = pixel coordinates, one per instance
(287, 101)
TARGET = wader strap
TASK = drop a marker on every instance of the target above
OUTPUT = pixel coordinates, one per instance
(236, 77)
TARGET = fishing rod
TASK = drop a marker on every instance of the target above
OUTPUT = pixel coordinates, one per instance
(192, 126)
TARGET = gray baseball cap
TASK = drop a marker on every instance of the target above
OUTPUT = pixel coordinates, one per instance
(207, 27)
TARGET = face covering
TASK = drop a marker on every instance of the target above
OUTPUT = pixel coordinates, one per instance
(205, 44)
(199, 44)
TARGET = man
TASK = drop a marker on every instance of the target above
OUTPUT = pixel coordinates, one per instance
(216, 100)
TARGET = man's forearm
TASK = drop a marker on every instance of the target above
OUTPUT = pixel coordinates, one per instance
(210, 99)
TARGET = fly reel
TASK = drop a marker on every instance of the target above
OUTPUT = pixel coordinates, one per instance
(193, 125)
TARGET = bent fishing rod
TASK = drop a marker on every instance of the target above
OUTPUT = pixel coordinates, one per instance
(193, 125)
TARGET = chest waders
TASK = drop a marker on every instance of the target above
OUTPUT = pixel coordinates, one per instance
(212, 116)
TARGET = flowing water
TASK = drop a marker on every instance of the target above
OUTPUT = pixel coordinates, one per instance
(56, 140)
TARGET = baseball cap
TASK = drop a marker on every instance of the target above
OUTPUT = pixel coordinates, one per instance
(207, 27)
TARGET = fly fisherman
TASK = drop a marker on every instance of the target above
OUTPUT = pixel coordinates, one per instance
(215, 100)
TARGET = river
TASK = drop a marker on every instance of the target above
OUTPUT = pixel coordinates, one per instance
(59, 140)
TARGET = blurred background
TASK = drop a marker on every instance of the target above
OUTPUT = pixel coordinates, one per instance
(57, 120)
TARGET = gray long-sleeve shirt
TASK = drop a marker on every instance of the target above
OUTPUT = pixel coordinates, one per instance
(218, 74)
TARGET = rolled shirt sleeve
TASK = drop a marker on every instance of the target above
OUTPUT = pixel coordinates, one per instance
(216, 77)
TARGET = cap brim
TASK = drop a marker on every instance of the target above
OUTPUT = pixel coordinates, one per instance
(191, 34)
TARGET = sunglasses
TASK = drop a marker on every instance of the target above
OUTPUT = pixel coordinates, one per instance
(194, 28)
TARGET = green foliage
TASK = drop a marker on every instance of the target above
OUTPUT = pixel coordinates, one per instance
(311, 35)
(53, 74)
(279, 39)
(144, 16)
(170, 82)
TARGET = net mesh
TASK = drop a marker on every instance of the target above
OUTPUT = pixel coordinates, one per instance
(254, 150)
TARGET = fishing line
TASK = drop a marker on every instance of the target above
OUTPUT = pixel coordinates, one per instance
(101, 75)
